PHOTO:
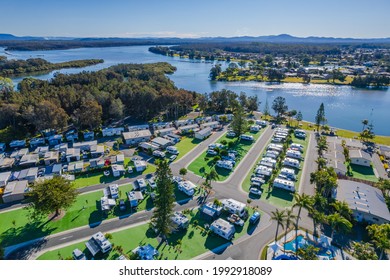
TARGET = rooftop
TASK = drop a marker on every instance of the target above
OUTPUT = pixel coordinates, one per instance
(136, 134)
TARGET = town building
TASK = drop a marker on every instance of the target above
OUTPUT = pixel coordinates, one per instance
(138, 136)
(360, 157)
(203, 134)
(15, 191)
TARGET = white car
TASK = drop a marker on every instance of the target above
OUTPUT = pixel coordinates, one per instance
(212, 152)
(231, 134)
(255, 191)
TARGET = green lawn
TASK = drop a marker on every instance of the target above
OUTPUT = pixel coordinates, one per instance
(95, 178)
(85, 211)
(362, 172)
(183, 245)
(204, 163)
(185, 145)
(275, 196)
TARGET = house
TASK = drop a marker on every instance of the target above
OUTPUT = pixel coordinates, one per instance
(61, 147)
(212, 125)
(180, 221)
(234, 207)
(188, 128)
(165, 131)
(139, 165)
(146, 252)
(179, 123)
(72, 135)
(15, 144)
(204, 133)
(138, 136)
(223, 228)
(51, 157)
(56, 169)
(29, 174)
(120, 159)
(88, 135)
(117, 170)
(146, 146)
(98, 243)
(367, 203)
(187, 187)
(6, 162)
(75, 167)
(112, 191)
(96, 163)
(284, 184)
(72, 154)
(229, 117)
(211, 210)
(338, 167)
(134, 198)
(334, 156)
(138, 127)
(112, 131)
(4, 177)
(48, 132)
(85, 146)
(97, 151)
(41, 151)
(359, 157)
(15, 191)
(29, 160)
(106, 204)
(161, 142)
(140, 184)
(55, 139)
(161, 125)
(2, 147)
(173, 137)
(18, 154)
(35, 142)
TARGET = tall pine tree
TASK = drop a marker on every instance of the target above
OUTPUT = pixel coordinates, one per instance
(164, 201)
(239, 124)
(320, 117)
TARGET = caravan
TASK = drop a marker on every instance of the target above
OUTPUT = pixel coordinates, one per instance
(246, 137)
(291, 162)
(284, 184)
(288, 172)
(294, 154)
(263, 170)
(234, 207)
(225, 164)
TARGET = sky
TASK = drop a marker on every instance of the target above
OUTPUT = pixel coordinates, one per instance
(196, 18)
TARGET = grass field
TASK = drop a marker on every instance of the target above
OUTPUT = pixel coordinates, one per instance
(16, 227)
(185, 145)
(95, 178)
(183, 245)
(362, 172)
(275, 196)
(204, 163)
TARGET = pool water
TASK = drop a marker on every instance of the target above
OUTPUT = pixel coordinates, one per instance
(302, 242)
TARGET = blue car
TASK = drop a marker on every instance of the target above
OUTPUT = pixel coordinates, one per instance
(254, 218)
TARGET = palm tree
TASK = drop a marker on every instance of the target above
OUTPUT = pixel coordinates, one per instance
(322, 145)
(211, 176)
(318, 218)
(301, 201)
(380, 235)
(321, 162)
(290, 216)
(342, 208)
(279, 217)
(338, 224)
(365, 123)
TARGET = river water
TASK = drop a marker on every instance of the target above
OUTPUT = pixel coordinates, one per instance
(345, 107)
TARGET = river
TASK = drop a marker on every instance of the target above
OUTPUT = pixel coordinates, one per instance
(345, 107)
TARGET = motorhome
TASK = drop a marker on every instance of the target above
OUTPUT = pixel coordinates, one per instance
(294, 154)
(290, 173)
(263, 170)
(223, 228)
(234, 207)
(291, 162)
(172, 150)
(225, 164)
(246, 137)
(284, 184)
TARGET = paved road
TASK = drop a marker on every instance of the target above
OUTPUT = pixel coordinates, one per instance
(310, 166)
(379, 166)
(244, 248)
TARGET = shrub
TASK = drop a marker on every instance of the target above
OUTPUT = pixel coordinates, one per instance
(224, 142)
(386, 166)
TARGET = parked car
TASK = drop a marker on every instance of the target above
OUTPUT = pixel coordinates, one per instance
(122, 205)
(255, 191)
(212, 152)
(172, 158)
(78, 255)
(254, 218)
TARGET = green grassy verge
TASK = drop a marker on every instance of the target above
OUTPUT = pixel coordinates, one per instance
(275, 196)
(204, 163)
(185, 145)
(182, 245)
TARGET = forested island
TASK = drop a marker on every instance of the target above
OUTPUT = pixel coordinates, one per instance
(358, 65)
(13, 67)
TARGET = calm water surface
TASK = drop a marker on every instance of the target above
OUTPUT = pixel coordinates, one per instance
(345, 107)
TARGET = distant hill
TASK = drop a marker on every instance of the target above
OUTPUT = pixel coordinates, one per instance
(29, 43)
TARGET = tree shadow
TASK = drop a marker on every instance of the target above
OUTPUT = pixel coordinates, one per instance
(96, 217)
(25, 233)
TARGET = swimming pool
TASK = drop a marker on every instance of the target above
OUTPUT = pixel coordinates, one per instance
(302, 242)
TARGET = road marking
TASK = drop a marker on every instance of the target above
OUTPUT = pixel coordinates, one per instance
(66, 237)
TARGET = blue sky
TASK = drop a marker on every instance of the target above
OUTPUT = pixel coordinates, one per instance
(195, 18)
